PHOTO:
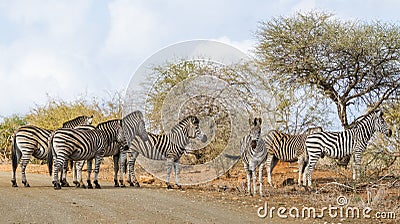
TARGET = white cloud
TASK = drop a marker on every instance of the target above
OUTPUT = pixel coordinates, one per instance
(134, 28)
(245, 45)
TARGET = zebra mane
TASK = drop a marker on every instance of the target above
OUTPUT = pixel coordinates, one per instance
(184, 122)
(360, 120)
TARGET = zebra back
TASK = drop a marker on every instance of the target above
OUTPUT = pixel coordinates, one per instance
(81, 120)
(287, 147)
(171, 145)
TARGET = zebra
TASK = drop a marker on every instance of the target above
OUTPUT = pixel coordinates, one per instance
(169, 147)
(131, 125)
(76, 144)
(349, 142)
(30, 140)
(253, 153)
(287, 148)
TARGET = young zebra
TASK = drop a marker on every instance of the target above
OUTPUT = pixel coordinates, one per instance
(253, 153)
(169, 147)
(349, 142)
(287, 148)
(76, 144)
(30, 140)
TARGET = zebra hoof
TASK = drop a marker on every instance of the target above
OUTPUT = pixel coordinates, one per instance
(26, 184)
(57, 186)
(14, 183)
(122, 186)
(64, 183)
(169, 186)
(89, 185)
(137, 184)
(178, 186)
(96, 184)
(116, 184)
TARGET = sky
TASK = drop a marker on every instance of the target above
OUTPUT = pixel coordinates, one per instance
(66, 49)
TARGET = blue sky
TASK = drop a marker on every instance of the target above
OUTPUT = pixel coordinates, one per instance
(68, 48)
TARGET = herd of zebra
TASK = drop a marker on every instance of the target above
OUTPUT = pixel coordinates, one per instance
(78, 141)
(307, 148)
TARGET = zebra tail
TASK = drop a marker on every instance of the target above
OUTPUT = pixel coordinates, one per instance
(15, 153)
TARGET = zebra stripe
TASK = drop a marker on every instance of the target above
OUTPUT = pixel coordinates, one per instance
(78, 145)
(287, 148)
(169, 147)
(253, 153)
(349, 142)
(30, 140)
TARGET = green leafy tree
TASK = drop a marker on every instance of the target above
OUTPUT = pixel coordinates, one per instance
(353, 64)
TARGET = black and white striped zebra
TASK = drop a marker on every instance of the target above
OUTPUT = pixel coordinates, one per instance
(287, 148)
(131, 125)
(349, 142)
(77, 144)
(253, 153)
(30, 140)
(169, 147)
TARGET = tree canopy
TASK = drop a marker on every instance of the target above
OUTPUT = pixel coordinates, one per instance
(354, 64)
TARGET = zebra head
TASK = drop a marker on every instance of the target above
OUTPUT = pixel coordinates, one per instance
(193, 129)
(132, 125)
(255, 132)
(380, 123)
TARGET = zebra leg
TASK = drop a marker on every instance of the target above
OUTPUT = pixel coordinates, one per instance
(64, 171)
(260, 176)
(57, 165)
(24, 163)
(116, 169)
(78, 169)
(301, 165)
(131, 164)
(248, 176)
(356, 164)
(122, 168)
(89, 172)
(177, 171)
(169, 169)
(312, 161)
(96, 171)
(305, 170)
(270, 157)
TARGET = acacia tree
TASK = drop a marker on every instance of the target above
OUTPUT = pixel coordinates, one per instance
(354, 64)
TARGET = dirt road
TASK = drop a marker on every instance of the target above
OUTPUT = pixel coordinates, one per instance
(42, 204)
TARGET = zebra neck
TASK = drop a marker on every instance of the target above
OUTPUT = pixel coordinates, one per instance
(179, 139)
(364, 131)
